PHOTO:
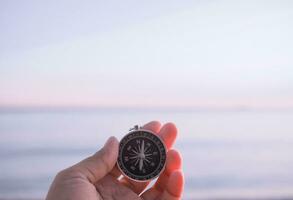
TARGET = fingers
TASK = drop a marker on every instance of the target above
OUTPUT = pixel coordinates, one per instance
(174, 163)
(168, 134)
(101, 163)
(115, 172)
(174, 187)
(153, 126)
(173, 190)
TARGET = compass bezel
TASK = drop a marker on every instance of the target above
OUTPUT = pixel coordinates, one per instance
(157, 171)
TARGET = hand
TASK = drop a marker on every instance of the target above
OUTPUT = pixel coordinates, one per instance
(97, 177)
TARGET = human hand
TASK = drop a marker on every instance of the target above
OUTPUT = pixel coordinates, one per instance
(97, 177)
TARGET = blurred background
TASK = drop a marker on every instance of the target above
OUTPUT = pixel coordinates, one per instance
(72, 73)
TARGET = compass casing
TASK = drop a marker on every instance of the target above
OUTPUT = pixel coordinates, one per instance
(142, 155)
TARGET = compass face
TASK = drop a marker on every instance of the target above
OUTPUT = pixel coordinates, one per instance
(142, 155)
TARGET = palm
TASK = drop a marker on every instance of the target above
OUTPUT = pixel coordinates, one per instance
(109, 188)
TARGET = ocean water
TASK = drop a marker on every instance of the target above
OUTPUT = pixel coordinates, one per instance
(226, 154)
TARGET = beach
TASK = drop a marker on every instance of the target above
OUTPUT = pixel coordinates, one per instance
(226, 154)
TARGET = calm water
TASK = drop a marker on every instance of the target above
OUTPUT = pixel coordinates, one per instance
(226, 154)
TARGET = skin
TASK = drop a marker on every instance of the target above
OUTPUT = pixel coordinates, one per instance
(97, 177)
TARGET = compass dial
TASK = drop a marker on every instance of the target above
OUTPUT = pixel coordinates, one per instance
(142, 155)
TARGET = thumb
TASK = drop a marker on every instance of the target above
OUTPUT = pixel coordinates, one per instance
(101, 163)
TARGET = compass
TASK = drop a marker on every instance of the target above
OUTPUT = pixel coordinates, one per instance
(142, 155)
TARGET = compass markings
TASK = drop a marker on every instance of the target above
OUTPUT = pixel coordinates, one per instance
(140, 155)
(144, 155)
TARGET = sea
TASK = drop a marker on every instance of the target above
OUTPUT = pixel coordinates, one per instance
(227, 154)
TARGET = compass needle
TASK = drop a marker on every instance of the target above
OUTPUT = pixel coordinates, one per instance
(142, 147)
(139, 148)
(140, 164)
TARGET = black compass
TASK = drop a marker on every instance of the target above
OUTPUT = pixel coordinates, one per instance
(142, 155)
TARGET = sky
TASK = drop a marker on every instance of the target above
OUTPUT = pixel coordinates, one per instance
(146, 53)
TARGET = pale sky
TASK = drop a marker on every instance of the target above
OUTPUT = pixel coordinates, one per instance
(146, 53)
